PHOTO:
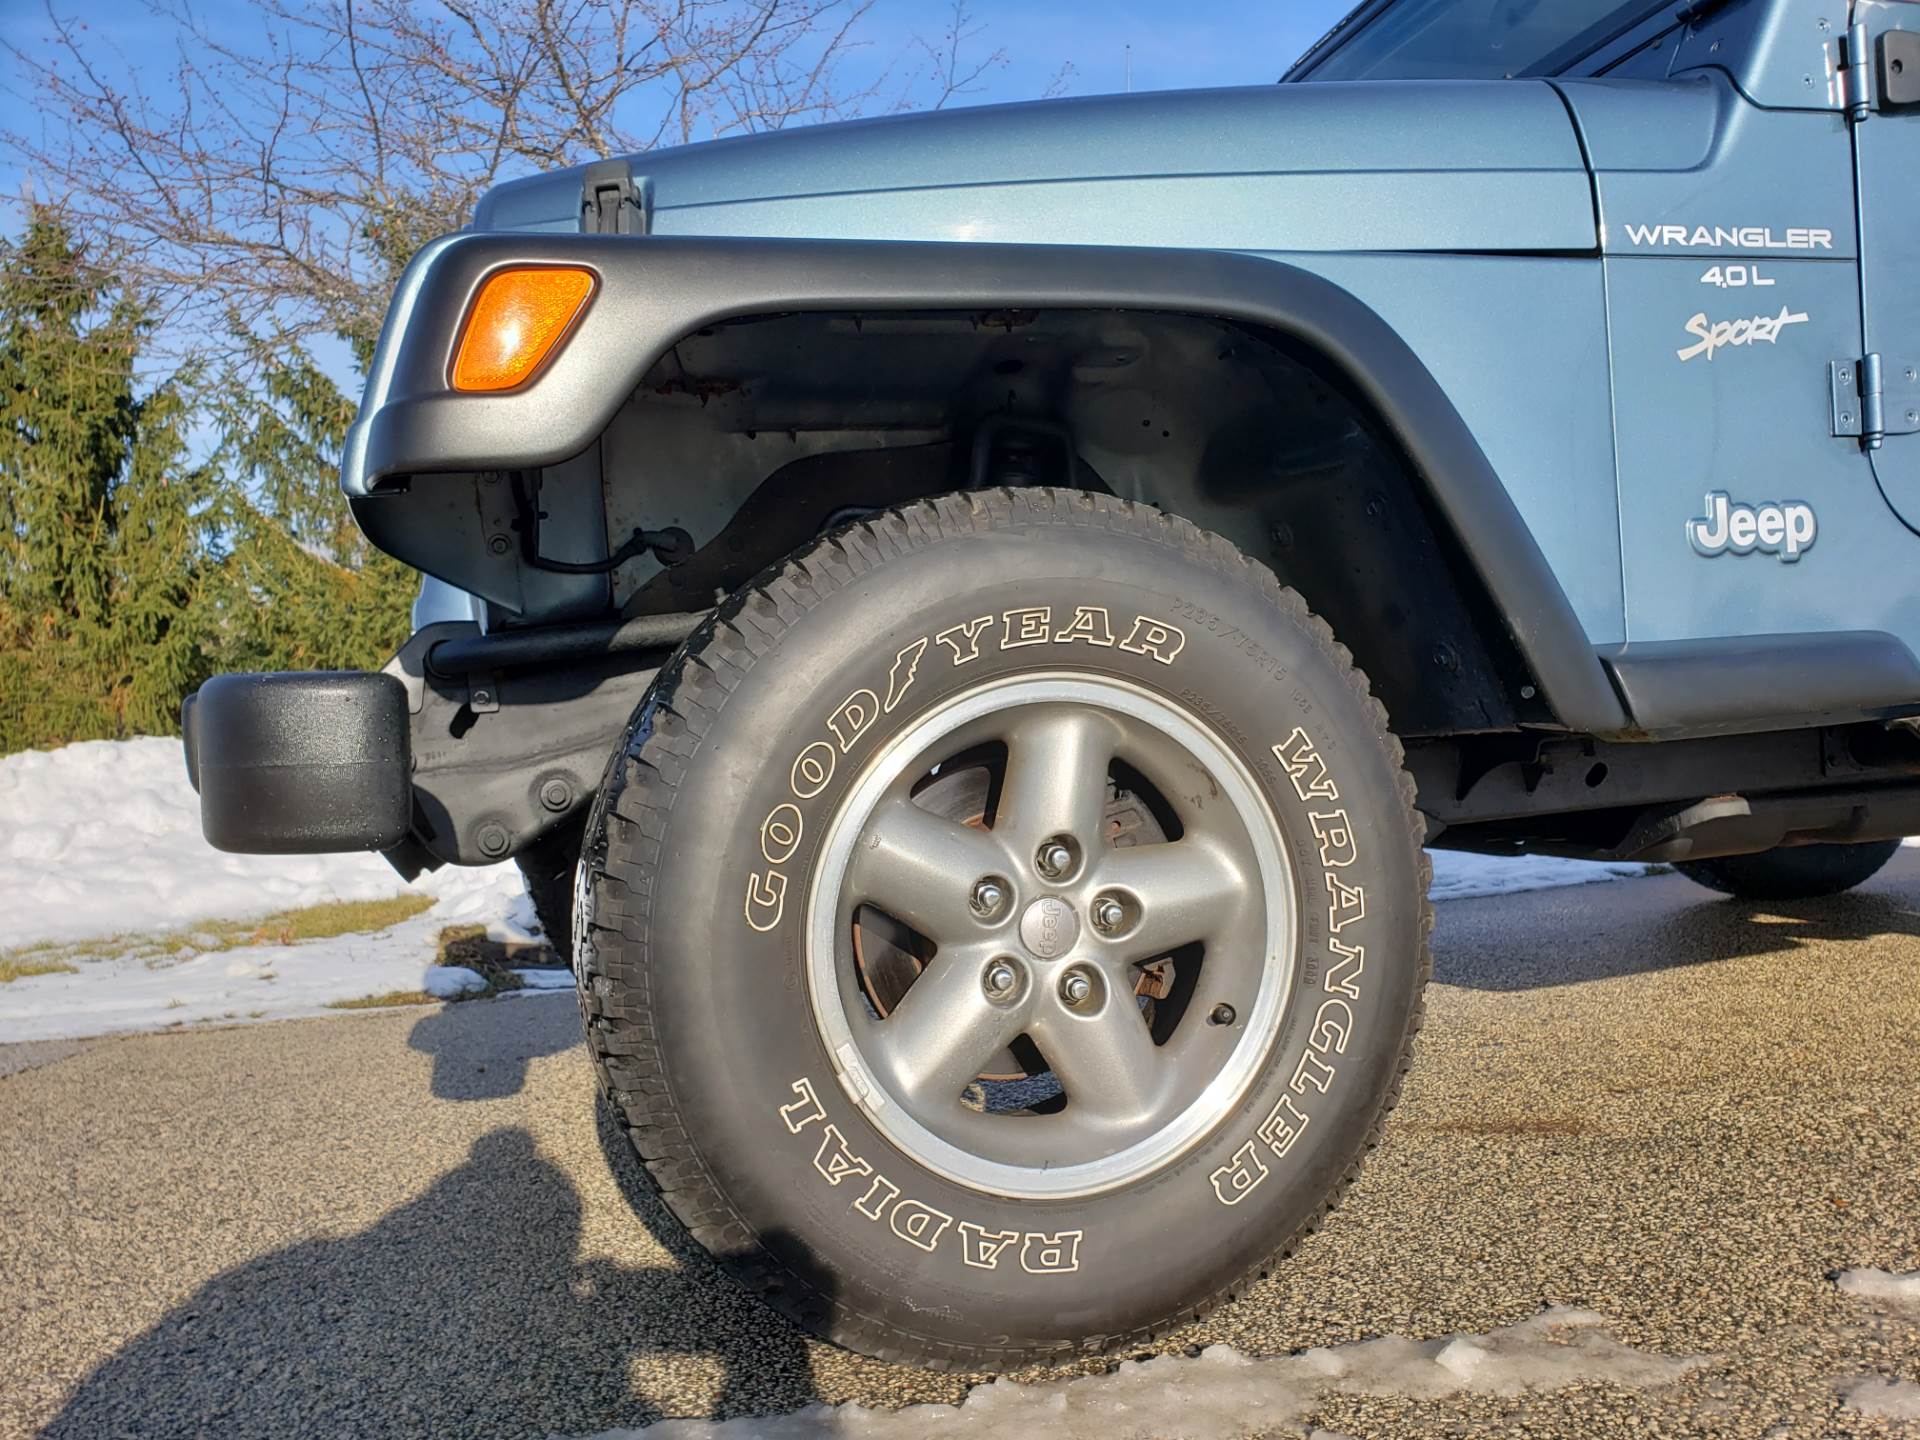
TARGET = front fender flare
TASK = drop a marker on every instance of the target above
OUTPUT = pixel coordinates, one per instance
(654, 290)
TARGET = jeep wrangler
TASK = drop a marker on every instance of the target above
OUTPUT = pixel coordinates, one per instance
(968, 621)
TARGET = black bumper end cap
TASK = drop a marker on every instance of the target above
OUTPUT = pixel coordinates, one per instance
(301, 763)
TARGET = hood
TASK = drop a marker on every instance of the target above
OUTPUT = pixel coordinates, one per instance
(1408, 166)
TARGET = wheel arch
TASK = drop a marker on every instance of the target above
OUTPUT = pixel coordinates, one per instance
(659, 293)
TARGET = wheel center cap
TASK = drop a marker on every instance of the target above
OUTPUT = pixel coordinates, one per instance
(1048, 927)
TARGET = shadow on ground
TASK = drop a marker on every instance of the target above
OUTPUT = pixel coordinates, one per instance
(475, 1057)
(464, 1313)
(1679, 925)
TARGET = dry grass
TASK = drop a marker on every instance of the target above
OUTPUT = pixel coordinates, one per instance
(288, 927)
(465, 945)
(392, 997)
(18, 965)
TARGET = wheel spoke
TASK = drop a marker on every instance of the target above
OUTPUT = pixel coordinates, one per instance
(1056, 780)
(944, 1031)
(1106, 1063)
(920, 868)
(1191, 889)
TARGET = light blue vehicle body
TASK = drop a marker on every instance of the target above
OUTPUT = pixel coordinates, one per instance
(1583, 405)
(1488, 222)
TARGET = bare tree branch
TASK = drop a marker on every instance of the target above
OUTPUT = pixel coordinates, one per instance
(244, 191)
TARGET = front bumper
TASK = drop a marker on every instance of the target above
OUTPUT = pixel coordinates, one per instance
(465, 749)
(300, 764)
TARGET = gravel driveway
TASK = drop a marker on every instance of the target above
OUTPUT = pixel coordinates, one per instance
(1677, 1111)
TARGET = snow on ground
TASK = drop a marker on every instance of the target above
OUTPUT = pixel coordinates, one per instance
(103, 838)
(1882, 1398)
(104, 996)
(1221, 1393)
(1885, 1287)
(1459, 875)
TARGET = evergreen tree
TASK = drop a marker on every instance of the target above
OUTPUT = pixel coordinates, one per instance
(103, 525)
(315, 594)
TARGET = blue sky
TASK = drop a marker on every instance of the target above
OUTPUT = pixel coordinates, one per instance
(1173, 46)
(1166, 46)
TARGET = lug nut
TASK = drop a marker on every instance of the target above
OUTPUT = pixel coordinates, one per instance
(1108, 914)
(1054, 859)
(1076, 989)
(1000, 979)
(989, 897)
(1221, 1015)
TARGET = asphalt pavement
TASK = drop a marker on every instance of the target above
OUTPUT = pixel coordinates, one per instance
(1682, 1112)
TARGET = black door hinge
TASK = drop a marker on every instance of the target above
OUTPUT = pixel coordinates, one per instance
(610, 203)
(1856, 82)
(1874, 397)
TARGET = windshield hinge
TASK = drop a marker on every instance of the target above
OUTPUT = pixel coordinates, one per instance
(1874, 397)
(610, 203)
(1856, 78)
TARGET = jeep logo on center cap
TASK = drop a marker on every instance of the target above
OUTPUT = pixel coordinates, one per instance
(1049, 927)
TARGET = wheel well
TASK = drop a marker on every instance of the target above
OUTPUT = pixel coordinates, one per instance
(757, 434)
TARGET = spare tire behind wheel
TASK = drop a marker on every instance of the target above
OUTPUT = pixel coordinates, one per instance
(1003, 929)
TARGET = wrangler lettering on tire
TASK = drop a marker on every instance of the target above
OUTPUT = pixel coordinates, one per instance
(1003, 928)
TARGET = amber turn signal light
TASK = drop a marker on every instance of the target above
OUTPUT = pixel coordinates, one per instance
(515, 322)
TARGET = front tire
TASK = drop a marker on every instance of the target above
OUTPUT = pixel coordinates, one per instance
(547, 870)
(1004, 928)
(1795, 872)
